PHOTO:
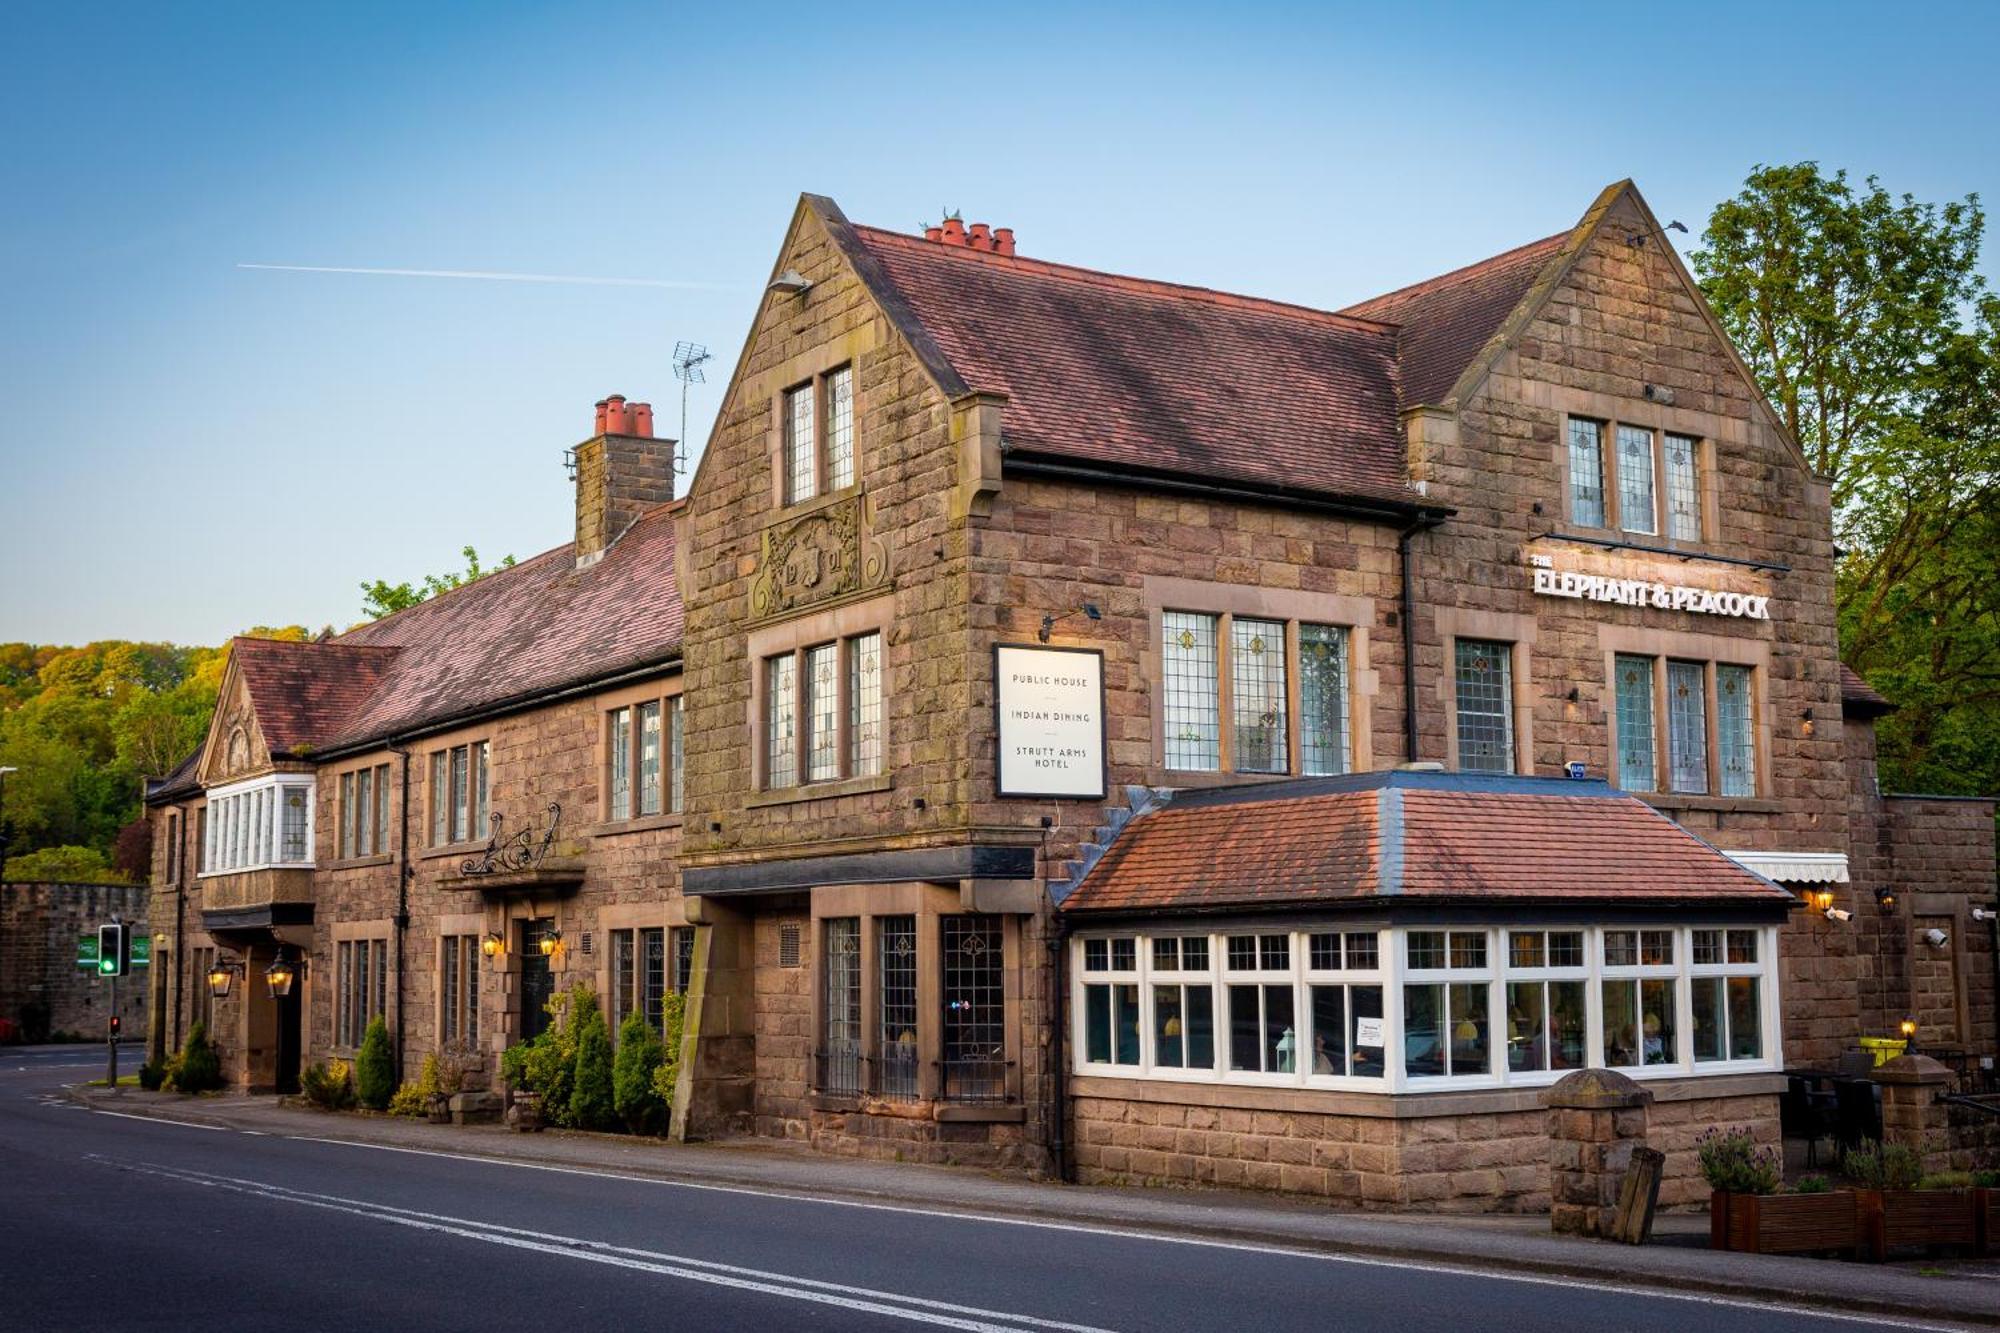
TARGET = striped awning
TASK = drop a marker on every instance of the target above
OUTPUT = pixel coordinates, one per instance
(1795, 867)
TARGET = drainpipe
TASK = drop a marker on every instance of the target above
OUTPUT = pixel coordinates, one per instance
(1404, 558)
(403, 873)
(180, 918)
(1059, 1050)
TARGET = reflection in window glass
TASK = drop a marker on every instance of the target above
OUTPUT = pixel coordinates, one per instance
(1257, 695)
(1733, 735)
(1423, 1030)
(649, 757)
(619, 763)
(864, 704)
(1586, 473)
(1636, 768)
(1322, 699)
(1426, 948)
(1687, 726)
(1636, 512)
(822, 712)
(1193, 719)
(1746, 1022)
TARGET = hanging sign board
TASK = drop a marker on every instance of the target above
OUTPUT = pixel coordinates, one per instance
(1049, 709)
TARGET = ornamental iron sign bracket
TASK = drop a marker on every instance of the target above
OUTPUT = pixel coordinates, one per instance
(515, 852)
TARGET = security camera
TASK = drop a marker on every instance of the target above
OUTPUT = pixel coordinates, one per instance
(1839, 914)
(1983, 914)
(1936, 938)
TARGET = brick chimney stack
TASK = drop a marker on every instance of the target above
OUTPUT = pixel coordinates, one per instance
(621, 472)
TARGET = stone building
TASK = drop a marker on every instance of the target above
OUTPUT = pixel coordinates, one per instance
(1023, 750)
(43, 992)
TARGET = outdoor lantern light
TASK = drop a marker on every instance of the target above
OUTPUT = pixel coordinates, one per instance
(551, 942)
(280, 975)
(1909, 1027)
(1806, 723)
(1886, 899)
(1820, 900)
(220, 974)
(491, 945)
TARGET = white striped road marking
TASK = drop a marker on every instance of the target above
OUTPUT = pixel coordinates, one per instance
(867, 1300)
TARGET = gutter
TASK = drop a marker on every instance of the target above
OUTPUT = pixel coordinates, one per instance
(1420, 523)
(1380, 511)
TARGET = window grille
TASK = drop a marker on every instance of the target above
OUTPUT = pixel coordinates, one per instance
(1634, 688)
(1687, 726)
(1733, 731)
(896, 1068)
(1257, 695)
(624, 977)
(682, 940)
(1485, 696)
(1586, 473)
(653, 976)
(1636, 512)
(823, 711)
(975, 1042)
(801, 462)
(461, 797)
(781, 739)
(1683, 490)
(839, 390)
(649, 757)
(440, 802)
(620, 760)
(479, 789)
(1192, 711)
(840, 1052)
(1323, 735)
(788, 945)
(364, 817)
(864, 704)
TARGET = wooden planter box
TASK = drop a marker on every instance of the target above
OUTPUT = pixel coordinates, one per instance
(1784, 1223)
(1900, 1219)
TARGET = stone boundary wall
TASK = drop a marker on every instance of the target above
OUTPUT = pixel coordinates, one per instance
(1403, 1156)
(39, 923)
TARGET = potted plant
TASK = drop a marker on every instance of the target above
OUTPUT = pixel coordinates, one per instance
(1746, 1211)
(1904, 1208)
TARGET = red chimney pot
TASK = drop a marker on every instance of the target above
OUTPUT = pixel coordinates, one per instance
(934, 233)
(981, 237)
(642, 420)
(1003, 240)
(600, 417)
(954, 232)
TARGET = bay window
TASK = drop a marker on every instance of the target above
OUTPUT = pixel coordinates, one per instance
(1271, 667)
(1422, 1008)
(265, 822)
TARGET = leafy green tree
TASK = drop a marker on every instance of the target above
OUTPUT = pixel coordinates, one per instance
(640, 1052)
(1867, 324)
(375, 1067)
(592, 1103)
(383, 598)
(63, 865)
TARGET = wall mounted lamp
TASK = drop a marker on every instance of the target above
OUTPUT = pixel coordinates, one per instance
(1806, 723)
(1886, 899)
(1088, 610)
(492, 945)
(551, 943)
(221, 976)
(1820, 900)
(281, 975)
(791, 283)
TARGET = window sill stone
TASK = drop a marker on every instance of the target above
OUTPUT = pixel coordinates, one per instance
(1728, 805)
(822, 791)
(357, 862)
(452, 849)
(611, 828)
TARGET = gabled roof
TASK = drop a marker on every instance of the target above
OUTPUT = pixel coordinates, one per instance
(1443, 322)
(1403, 836)
(304, 693)
(1858, 698)
(1148, 377)
(533, 629)
(183, 781)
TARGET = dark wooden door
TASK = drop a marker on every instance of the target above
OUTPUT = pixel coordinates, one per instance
(538, 980)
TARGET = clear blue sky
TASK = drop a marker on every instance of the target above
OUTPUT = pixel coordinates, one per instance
(188, 447)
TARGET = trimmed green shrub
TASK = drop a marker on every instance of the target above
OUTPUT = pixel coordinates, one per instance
(547, 1064)
(668, 1073)
(592, 1104)
(414, 1098)
(1883, 1166)
(1986, 1180)
(1812, 1185)
(329, 1086)
(151, 1076)
(1732, 1160)
(639, 1054)
(197, 1068)
(1946, 1180)
(375, 1067)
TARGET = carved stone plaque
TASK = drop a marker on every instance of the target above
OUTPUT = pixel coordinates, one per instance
(817, 557)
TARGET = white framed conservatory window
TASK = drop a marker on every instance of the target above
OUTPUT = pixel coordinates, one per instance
(267, 821)
(1423, 1008)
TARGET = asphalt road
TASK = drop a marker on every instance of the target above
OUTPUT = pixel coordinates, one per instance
(108, 1221)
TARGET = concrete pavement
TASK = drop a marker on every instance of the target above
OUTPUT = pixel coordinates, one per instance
(1518, 1247)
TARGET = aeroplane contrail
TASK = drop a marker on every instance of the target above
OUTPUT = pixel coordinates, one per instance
(495, 277)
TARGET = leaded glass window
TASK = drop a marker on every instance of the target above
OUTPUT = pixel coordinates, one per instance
(364, 806)
(896, 1073)
(1257, 695)
(440, 803)
(1683, 489)
(1637, 770)
(344, 842)
(624, 977)
(653, 976)
(1636, 511)
(823, 710)
(620, 763)
(1323, 739)
(781, 722)
(1733, 734)
(975, 1035)
(1586, 473)
(294, 845)
(461, 796)
(1485, 697)
(839, 390)
(801, 456)
(840, 1010)
(676, 718)
(479, 789)
(649, 757)
(1192, 710)
(864, 703)
(1687, 727)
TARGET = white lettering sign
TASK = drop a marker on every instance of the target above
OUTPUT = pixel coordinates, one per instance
(1051, 721)
(1641, 592)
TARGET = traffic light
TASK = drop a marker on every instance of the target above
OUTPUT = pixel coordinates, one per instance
(117, 1025)
(114, 950)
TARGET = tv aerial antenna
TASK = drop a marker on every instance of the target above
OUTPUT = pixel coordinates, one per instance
(688, 361)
